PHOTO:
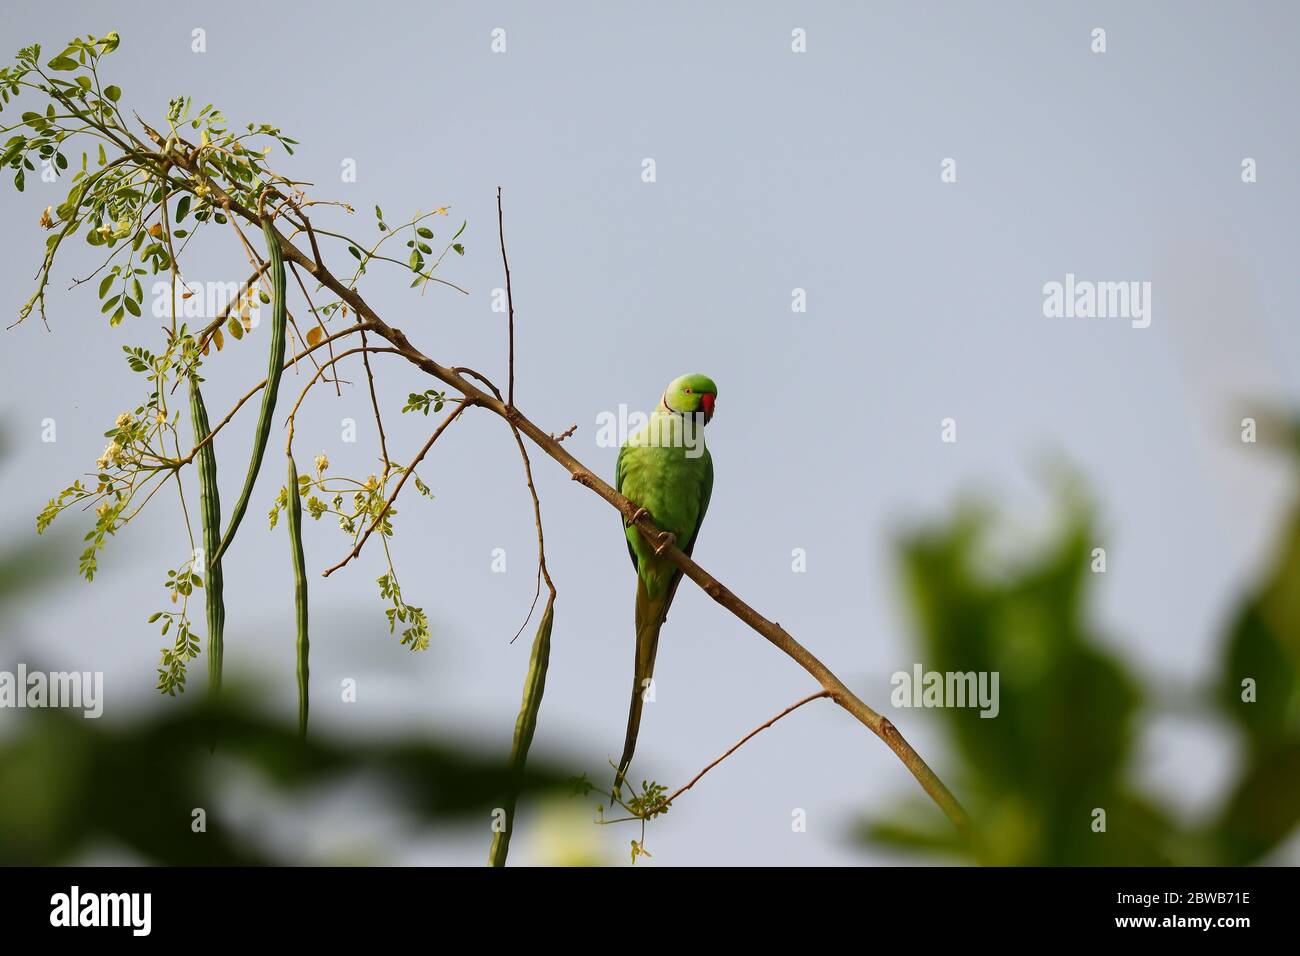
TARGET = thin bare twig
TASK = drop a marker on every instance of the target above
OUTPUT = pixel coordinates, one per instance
(243, 399)
(743, 740)
(356, 549)
(542, 572)
(220, 319)
(363, 349)
(320, 323)
(374, 403)
(510, 303)
(255, 259)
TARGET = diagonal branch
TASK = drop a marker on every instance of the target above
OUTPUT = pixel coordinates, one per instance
(773, 632)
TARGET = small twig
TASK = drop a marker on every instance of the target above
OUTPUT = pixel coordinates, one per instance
(311, 233)
(221, 316)
(356, 549)
(510, 303)
(256, 260)
(566, 433)
(534, 684)
(374, 403)
(321, 324)
(542, 572)
(243, 399)
(293, 413)
(743, 740)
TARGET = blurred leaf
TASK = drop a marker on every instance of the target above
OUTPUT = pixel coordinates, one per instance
(68, 784)
(1263, 652)
(1059, 747)
(1264, 646)
(1263, 809)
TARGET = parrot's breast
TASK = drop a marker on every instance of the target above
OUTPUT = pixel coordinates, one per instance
(664, 471)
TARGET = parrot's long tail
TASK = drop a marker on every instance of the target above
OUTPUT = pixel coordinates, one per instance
(650, 615)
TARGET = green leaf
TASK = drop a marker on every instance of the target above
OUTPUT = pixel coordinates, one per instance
(113, 93)
(62, 63)
(15, 147)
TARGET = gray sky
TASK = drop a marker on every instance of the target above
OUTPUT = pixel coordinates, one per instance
(775, 171)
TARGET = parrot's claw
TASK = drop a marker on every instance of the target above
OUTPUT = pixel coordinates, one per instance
(638, 515)
(666, 538)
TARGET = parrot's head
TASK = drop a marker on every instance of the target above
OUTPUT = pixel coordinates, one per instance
(690, 394)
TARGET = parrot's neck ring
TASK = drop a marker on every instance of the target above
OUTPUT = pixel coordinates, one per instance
(663, 404)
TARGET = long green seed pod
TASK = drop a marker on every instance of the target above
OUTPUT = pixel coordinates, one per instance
(210, 512)
(525, 725)
(294, 510)
(275, 366)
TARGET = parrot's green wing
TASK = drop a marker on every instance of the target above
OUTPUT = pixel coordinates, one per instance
(618, 486)
(706, 492)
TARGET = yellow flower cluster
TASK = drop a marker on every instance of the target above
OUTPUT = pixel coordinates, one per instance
(112, 452)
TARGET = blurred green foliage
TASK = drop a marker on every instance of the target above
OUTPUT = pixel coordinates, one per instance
(1071, 709)
(70, 786)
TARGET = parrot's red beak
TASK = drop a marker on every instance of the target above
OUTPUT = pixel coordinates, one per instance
(706, 401)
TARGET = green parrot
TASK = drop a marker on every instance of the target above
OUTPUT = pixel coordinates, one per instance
(667, 472)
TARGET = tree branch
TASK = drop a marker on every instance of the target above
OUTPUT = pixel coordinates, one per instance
(879, 725)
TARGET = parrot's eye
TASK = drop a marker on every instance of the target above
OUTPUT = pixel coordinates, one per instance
(690, 391)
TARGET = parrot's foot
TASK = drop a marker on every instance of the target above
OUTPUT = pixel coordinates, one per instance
(638, 515)
(666, 538)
